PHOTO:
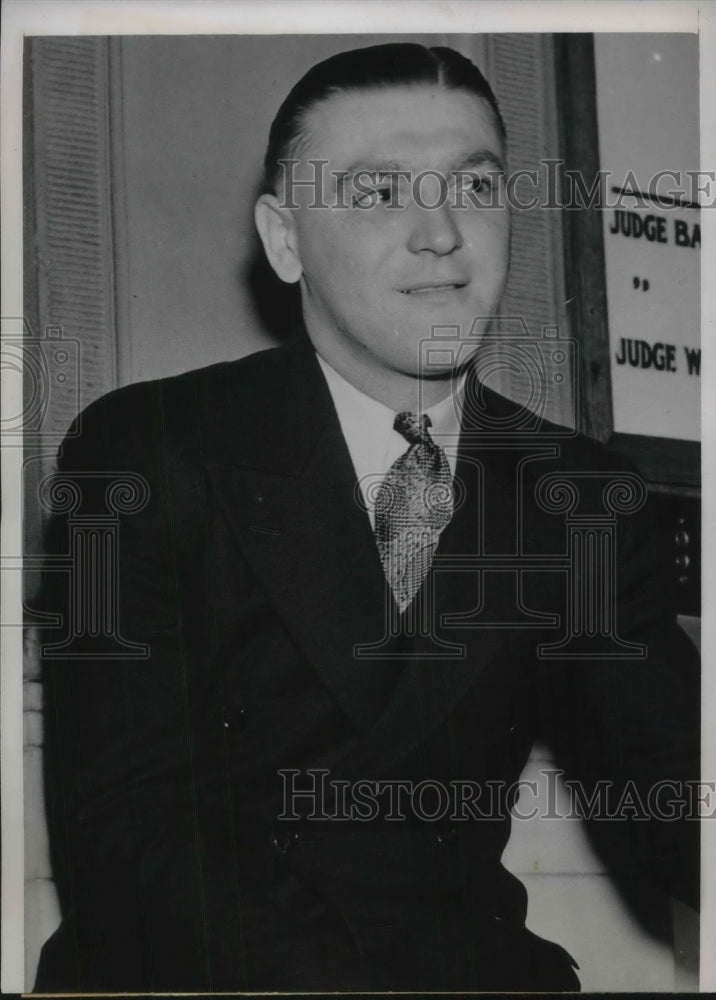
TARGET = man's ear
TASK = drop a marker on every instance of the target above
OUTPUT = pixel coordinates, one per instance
(277, 229)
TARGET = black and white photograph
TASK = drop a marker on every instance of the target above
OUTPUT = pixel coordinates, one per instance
(352, 535)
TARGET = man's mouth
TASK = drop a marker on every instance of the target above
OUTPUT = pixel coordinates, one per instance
(432, 287)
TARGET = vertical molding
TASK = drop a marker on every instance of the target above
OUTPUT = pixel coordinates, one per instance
(68, 251)
(122, 290)
(69, 254)
(583, 237)
(74, 240)
(568, 397)
(32, 467)
(522, 76)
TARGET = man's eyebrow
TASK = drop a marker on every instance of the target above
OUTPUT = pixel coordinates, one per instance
(475, 158)
(480, 158)
(375, 167)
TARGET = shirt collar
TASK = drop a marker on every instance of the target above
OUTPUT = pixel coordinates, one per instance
(375, 418)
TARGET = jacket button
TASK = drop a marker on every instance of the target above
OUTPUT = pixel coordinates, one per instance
(236, 720)
(283, 840)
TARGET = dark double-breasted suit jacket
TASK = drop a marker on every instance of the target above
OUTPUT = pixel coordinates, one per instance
(252, 578)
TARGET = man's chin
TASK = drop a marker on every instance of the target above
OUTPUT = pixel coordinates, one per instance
(442, 360)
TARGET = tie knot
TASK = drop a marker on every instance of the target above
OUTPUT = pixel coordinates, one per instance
(414, 427)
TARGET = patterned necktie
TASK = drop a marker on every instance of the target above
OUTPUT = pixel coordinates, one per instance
(413, 505)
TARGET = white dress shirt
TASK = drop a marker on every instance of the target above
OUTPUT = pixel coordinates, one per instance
(373, 444)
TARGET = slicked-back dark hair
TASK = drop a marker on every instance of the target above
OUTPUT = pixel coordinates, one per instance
(396, 64)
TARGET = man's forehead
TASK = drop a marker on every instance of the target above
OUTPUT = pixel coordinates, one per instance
(393, 127)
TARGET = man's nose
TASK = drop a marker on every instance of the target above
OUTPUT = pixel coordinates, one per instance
(434, 230)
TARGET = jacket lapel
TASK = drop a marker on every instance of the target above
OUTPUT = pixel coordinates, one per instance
(286, 484)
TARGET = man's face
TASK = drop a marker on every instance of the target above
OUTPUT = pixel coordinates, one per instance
(380, 267)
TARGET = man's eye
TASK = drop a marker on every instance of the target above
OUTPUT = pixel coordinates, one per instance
(475, 182)
(372, 197)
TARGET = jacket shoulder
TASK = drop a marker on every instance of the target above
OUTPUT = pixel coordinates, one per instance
(178, 390)
(574, 451)
(125, 421)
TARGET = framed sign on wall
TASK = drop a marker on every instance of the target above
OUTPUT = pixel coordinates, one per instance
(630, 127)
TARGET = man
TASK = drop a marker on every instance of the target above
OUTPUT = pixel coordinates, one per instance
(311, 576)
